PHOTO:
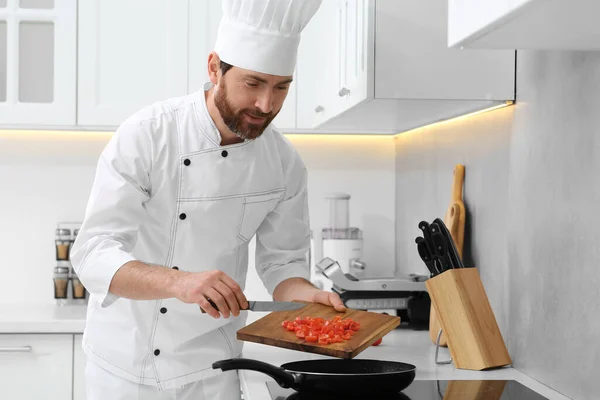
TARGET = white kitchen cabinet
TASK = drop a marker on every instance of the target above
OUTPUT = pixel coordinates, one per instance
(132, 53)
(524, 24)
(391, 69)
(38, 62)
(317, 67)
(36, 366)
(79, 361)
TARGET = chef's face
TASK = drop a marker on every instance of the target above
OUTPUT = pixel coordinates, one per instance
(248, 101)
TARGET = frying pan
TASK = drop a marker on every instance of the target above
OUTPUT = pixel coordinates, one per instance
(339, 376)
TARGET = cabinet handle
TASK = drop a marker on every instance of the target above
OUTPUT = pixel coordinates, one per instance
(24, 349)
(344, 92)
(319, 109)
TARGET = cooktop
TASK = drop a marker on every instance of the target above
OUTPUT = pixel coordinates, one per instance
(431, 390)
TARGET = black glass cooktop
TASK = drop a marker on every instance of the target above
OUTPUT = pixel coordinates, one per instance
(432, 390)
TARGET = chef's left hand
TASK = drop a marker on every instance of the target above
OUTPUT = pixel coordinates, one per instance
(329, 299)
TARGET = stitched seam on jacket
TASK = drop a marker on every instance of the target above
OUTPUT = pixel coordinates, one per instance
(199, 125)
(108, 362)
(105, 238)
(191, 373)
(240, 236)
(227, 340)
(219, 148)
(230, 196)
(167, 264)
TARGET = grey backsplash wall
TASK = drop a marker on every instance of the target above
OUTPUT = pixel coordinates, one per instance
(532, 194)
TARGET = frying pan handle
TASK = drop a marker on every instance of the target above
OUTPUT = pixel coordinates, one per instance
(283, 378)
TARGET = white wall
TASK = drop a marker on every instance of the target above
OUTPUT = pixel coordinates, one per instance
(46, 177)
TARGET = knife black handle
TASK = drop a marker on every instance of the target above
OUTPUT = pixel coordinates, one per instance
(424, 226)
(212, 304)
(441, 250)
(426, 255)
(452, 251)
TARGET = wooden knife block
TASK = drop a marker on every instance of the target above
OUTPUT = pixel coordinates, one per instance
(467, 319)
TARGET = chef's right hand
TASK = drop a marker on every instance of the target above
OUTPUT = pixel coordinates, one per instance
(197, 287)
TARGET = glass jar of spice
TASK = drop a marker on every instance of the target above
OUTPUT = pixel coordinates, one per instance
(78, 290)
(61, 282)
(63, 244)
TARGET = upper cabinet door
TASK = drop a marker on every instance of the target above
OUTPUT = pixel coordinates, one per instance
(413, 60)
(132, 53)
(355, 34)
(318, 67)
(524, 24)
(38, 62)
(204, 19)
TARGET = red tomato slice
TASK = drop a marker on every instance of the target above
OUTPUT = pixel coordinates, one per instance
(377, 342)
(311, 338)
(323, 340)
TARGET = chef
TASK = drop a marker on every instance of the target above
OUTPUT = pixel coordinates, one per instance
(179, 191)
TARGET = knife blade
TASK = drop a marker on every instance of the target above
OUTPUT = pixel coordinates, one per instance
(274, 305)
(262, 306)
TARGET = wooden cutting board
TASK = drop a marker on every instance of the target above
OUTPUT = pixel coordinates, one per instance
(456, 214)
(268, 330)
(455, 222)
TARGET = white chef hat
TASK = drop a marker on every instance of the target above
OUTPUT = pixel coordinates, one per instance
(263, 35)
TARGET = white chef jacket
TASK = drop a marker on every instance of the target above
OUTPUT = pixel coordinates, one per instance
(167, 193)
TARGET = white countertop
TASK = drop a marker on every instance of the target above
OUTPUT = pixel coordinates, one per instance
(42, 318)
(413, 347)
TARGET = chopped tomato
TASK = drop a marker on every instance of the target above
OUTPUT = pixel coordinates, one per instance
(377, 342)
(334, 330)
(324, 339)
(311, 338)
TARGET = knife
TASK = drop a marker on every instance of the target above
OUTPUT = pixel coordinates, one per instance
(424, 226)
(262, 306)
(426, 255)
(452, 252)
(441, 250)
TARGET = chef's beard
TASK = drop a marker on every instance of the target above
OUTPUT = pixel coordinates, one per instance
(235, 121)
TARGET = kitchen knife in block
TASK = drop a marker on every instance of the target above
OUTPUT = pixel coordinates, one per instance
(455, 222)
(268, 330)
(465, 314)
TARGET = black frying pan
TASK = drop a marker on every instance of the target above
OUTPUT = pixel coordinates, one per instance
(332, 376)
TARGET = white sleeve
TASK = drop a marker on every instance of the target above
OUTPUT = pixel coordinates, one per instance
(115, 210)
(283, 238)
